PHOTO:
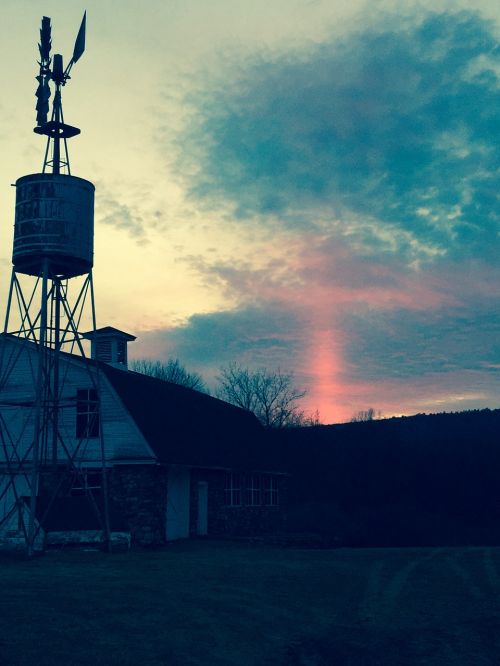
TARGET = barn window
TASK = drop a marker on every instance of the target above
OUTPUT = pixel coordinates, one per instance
(271, 491)
(87, 482)
(232, 490)
(253, 490)
(87, 413)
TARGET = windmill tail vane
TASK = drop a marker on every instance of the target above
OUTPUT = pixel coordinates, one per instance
(80, 40)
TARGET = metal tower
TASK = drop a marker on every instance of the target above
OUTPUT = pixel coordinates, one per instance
(50, 298)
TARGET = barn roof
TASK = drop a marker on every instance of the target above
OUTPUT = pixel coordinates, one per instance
(108, 331)
(185, 426)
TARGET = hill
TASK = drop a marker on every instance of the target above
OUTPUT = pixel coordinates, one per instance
(419, 480)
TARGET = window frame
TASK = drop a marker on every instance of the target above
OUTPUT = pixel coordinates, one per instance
(121, 351)
(270, 494)
(87, 423)
(233, 488)
(89, 481)
(253, 490)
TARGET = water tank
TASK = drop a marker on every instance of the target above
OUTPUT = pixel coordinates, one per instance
(54, 222)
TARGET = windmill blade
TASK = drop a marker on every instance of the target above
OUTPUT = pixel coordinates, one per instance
(45, 40)
(80, 40)
(42, 101)
(43, 90)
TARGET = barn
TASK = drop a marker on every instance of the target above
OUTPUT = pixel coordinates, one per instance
(179, 463)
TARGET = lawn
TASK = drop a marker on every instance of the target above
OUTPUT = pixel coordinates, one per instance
(224, 603)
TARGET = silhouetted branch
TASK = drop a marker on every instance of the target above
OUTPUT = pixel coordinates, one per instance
(271, 396)
(170, 371)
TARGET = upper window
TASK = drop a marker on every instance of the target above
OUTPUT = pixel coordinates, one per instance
(87, 413)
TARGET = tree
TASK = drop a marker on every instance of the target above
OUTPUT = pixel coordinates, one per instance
(366, 415)
(310, 420)
(170, 371)
(271, 396)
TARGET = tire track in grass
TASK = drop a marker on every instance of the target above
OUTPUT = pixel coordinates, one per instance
(491, 571)
(464, 575)
(416, 607)
(373, 589)
(394, 588)
(380, 598)
(481, 581)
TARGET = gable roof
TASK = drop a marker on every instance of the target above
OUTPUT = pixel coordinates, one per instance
(188, 427)
(106, 332)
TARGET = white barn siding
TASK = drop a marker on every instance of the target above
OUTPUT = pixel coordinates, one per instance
(122, 438)
(16, 401)
(14, 515)
(9, 488)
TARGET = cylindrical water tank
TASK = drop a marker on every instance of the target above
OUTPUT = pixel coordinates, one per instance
(54, 223)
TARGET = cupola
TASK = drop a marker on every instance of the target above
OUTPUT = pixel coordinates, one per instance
(109, 345)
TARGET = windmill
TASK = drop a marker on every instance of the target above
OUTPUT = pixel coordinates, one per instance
(55, 129)
(50, 296)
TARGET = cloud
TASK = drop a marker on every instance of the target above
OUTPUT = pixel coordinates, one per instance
(386, 137)
(256, 336)
(361, 175)
(310, 272)
(406, 345)
(120, 215)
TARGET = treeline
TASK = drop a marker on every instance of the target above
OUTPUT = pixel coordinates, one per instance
(420, 480)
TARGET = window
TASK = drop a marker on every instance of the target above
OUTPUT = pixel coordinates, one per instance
(232, 490)
(87, 413)
(121, 352)
(253, 490)
(87, 482)
(271, 490)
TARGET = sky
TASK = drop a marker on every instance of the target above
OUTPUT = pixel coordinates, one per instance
(298, 184)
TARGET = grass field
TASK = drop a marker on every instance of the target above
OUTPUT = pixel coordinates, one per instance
(224, 603)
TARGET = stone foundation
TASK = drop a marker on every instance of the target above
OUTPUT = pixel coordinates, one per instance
(139, 493)
(138, 506)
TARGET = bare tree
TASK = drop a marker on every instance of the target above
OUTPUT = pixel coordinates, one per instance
(170, 371)
(271, 396)
(310, 420)
(366, 415)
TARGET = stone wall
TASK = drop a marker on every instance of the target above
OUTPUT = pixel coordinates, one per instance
(137, 499)
(236, 520)
(139, 493)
